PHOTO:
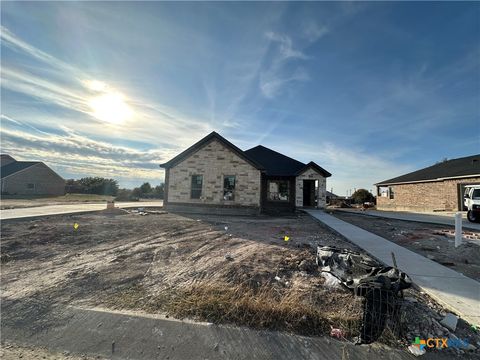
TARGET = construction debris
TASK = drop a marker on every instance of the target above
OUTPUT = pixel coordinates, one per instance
(415, 350)
(380, 286)
(450, 321)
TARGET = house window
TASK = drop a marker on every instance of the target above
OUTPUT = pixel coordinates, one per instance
(229, 188)
(278, 190)
(30, 186)
(391, 192)
(197, 183)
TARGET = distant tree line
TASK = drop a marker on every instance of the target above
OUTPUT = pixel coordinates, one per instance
(145, 191)
(103, 186)
(92, 185)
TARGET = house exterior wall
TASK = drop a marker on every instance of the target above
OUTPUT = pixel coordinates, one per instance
(425, 196)
(214, 161)
(311, 174)
(45, 180)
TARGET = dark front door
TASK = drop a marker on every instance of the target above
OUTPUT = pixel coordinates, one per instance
(308, 192)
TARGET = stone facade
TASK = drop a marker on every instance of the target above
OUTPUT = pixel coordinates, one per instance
(425, 196)
(311, 174)
(38, 179)
(214, 161)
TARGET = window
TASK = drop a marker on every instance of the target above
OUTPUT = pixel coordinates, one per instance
(382, 191)
(390, 191)
(278, 190)
(229, 188)
(196, 190)
(31, 186)
(476, 194)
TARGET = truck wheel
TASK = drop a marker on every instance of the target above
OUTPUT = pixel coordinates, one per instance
(471, 216)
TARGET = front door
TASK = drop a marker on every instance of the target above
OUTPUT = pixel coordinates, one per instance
(308, 192)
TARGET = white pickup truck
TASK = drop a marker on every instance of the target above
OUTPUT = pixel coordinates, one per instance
(471, 200)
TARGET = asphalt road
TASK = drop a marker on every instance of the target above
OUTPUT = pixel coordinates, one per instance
(128, 336)
(69, 209)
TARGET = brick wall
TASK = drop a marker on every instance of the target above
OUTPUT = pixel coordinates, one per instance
(427, 196)
(311, 174)
(214, 161)
(45, 181)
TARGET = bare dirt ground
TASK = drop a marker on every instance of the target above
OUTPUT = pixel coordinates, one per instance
(424, 239)
(218, 269)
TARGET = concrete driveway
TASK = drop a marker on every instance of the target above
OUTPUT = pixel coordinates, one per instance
(70, 209)
(408, 216)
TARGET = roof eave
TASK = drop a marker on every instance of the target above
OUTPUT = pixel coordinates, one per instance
(426, 180)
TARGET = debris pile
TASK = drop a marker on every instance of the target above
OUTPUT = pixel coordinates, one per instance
(380, 286)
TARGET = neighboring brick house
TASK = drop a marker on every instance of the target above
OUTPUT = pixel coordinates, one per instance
(436, 188)
(29, 178)
(215, 176)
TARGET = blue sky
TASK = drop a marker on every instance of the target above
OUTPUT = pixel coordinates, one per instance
(367, 90)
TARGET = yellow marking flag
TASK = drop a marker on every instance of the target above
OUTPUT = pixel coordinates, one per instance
(75, 226)
(286, 238)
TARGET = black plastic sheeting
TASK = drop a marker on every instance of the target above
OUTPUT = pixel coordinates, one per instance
(381, 286)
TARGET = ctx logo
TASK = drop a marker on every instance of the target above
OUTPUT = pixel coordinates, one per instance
(440, 343)
(431, 343)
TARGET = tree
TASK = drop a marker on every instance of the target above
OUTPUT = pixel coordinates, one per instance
(95, 185)
(146, 188)
(158, 191)
(361, 196)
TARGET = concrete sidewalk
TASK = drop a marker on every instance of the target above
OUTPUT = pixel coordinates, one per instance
(132, 336)
(69, 209)
(453, 290)
(408, 216)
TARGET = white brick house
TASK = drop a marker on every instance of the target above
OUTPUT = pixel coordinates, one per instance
(215, 176)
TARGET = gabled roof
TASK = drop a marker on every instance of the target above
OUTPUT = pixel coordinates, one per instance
(455, 168)
(15, 167)
(197, 146)
(276, 164)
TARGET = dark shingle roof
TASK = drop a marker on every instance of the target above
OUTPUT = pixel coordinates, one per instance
(260, 157)
(16, 166)
(276, 164)
(460, 167)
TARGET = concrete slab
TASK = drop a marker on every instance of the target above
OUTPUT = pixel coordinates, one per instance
(455, 291)
(425, 218)
(48, 210)
(92, 332)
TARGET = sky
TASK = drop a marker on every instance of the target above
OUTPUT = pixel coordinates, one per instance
(368, 91)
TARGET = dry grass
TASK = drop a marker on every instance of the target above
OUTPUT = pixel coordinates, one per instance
(261, 307)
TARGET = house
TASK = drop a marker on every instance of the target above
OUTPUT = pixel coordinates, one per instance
(439, 187)
(215, 176)
(29, 178)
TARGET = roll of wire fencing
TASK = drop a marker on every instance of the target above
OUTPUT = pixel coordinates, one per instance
(380, 287)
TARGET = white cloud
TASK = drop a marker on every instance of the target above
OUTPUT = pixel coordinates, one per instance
(276, 76)
(313, 32)
(286, 49)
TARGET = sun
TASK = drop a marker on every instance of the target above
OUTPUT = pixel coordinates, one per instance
(111, 108)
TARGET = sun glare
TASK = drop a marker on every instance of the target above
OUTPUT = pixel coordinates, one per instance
(111, 108)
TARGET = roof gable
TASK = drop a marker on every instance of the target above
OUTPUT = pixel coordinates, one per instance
(207, 139)
(316, 167)
(461, 167)
(15, 167)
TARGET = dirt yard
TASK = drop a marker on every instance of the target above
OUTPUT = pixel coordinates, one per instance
(428, 240)
(218, 269)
